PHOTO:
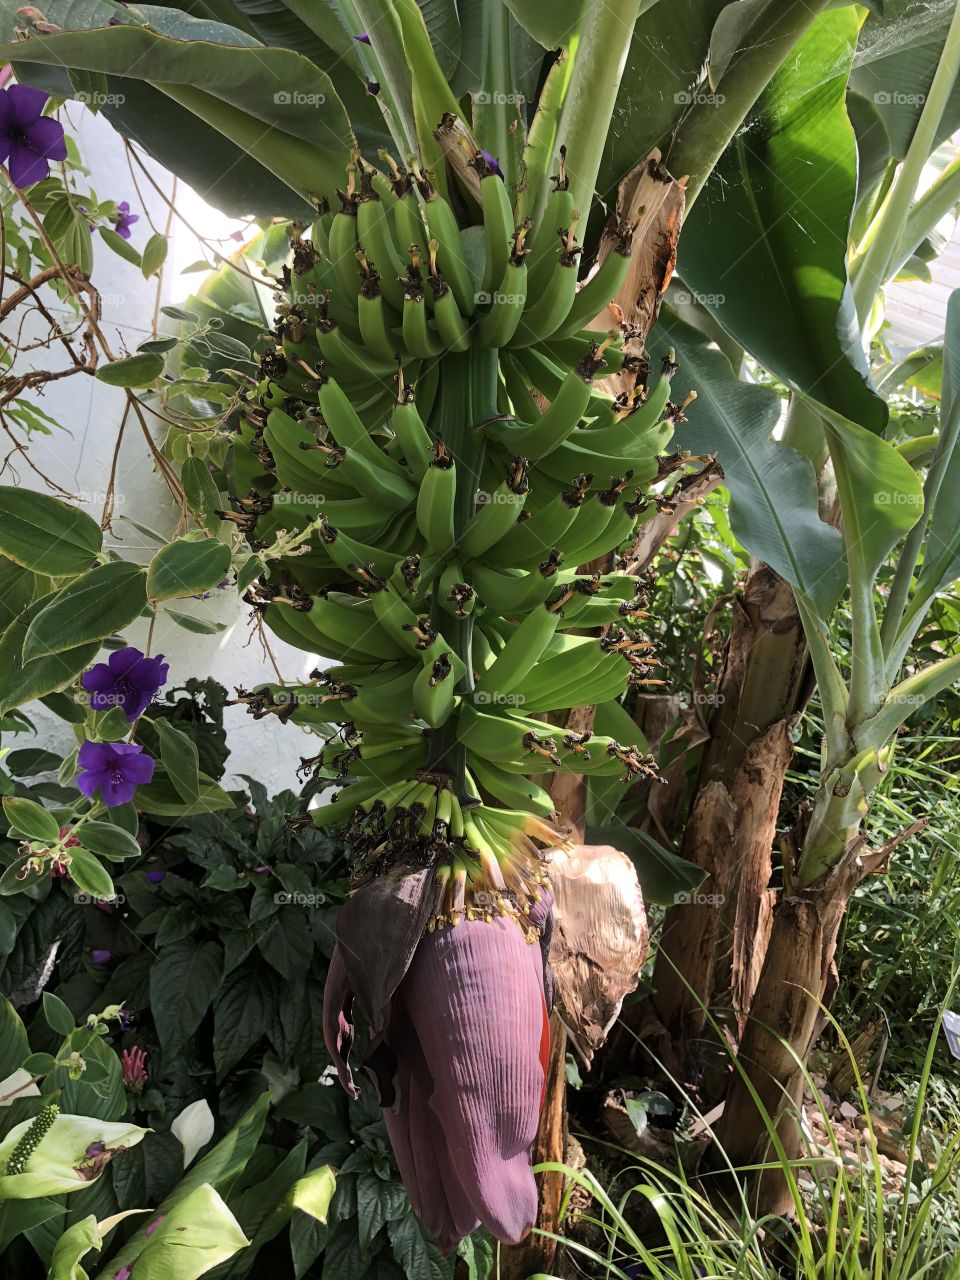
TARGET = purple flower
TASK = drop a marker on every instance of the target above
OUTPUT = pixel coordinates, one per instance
(459, 1050)
(125, 1272)
(127, 679)
(115, 769)
(493, 162)
(98, 956)
(363, 38)
(29, 140)
(124, 219)
(155, 877)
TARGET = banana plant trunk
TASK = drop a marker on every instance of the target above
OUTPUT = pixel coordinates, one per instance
(713, 942)
(762, 1107)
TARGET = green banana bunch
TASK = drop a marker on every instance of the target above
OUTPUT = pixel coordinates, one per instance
(426, 465)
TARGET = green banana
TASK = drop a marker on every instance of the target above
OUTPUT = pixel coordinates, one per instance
(443, 228)
(499, 324)
(433, 691)
(519, 655)
(528, 541)
(515, 593)
(553, 302)
(498, 513)
(415, 442)
(559, 421)
(451, 324)
(556, 218)
(376, 240)
(604, 285)
(511, 789)
(435, 500)
(497, 229)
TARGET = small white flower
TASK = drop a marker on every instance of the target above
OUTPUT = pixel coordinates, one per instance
(193, 1128)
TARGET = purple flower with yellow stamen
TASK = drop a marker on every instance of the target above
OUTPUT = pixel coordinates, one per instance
(29, 140)
(123, 220)
(460, 1038)
(115, 769)
(127, 679)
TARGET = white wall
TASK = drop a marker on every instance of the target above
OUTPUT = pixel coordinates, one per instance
(80, 462)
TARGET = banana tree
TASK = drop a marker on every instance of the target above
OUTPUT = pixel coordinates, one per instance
(713, 957)
(428, 456)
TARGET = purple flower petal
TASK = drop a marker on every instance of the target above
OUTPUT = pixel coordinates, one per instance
(95, 755)
(337, 1027)
(363, 38)
(27, 102)
(46, 136)
(379, 929)
(115, 769)
(474, 998)
(91, 782)
(156, 877)
(100, 957)
(26, 166)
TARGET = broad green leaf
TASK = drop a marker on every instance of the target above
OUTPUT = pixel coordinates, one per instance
(660, 81)
(551, 25)
(773, 489)
(122, 248)
(18, 1217)
(89, 874)
(13, 1039)
(195, 1236)
(187, 568)
(46, 535)
(19, 683)
(886, 499)
(56, 1014)
(78, 1240)
(219, 1168)
(766, 243)
(109, 840)
(17, 586)
(139, 370)
(272, 103)
(91, 607)
(161, 798)
(183, 983)
(894, 68)
(180, 759)
(154, 254)
(30, 820)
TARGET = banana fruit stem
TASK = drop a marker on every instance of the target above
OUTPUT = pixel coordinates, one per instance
(467, 396)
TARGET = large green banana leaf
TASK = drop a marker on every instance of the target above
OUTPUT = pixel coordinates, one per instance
(772, 487)
(766, 242)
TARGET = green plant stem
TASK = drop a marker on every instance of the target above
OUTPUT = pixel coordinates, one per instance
(493, 117)
(803, 431)
(935, 203)
(467, 396)
(606, 29)
(889, 226)
(897, 631)
(907, 697)
(868, 686)
(708, 127)
(379, 20)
